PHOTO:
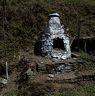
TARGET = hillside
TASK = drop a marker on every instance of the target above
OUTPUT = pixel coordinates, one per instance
(21, 23)
(26, 19)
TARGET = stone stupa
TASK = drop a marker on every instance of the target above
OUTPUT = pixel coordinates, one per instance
(54, 42)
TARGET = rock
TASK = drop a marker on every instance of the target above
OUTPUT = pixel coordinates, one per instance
(3, 81)
(30, 73)
(51, 75)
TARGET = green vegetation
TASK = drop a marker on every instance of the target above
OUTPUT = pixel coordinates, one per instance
(87, 90)
(89, 62)
(45, 90)
(24, 22)
(11, 93)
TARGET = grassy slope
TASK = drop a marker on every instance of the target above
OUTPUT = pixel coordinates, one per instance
(26, 19)
(88, 90)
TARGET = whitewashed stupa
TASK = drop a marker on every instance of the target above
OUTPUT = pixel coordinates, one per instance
(54, 42)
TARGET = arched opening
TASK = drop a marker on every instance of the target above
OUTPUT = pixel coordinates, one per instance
(58, 44)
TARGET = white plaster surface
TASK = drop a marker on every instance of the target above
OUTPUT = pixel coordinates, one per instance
(55, 30)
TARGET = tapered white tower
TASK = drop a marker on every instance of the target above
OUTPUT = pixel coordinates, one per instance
(54, 42)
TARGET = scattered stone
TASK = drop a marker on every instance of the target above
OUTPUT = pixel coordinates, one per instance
(3, 81)
(75, 58)
(80, 61)
(74, 55)
(30, 73)
(51, 75)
